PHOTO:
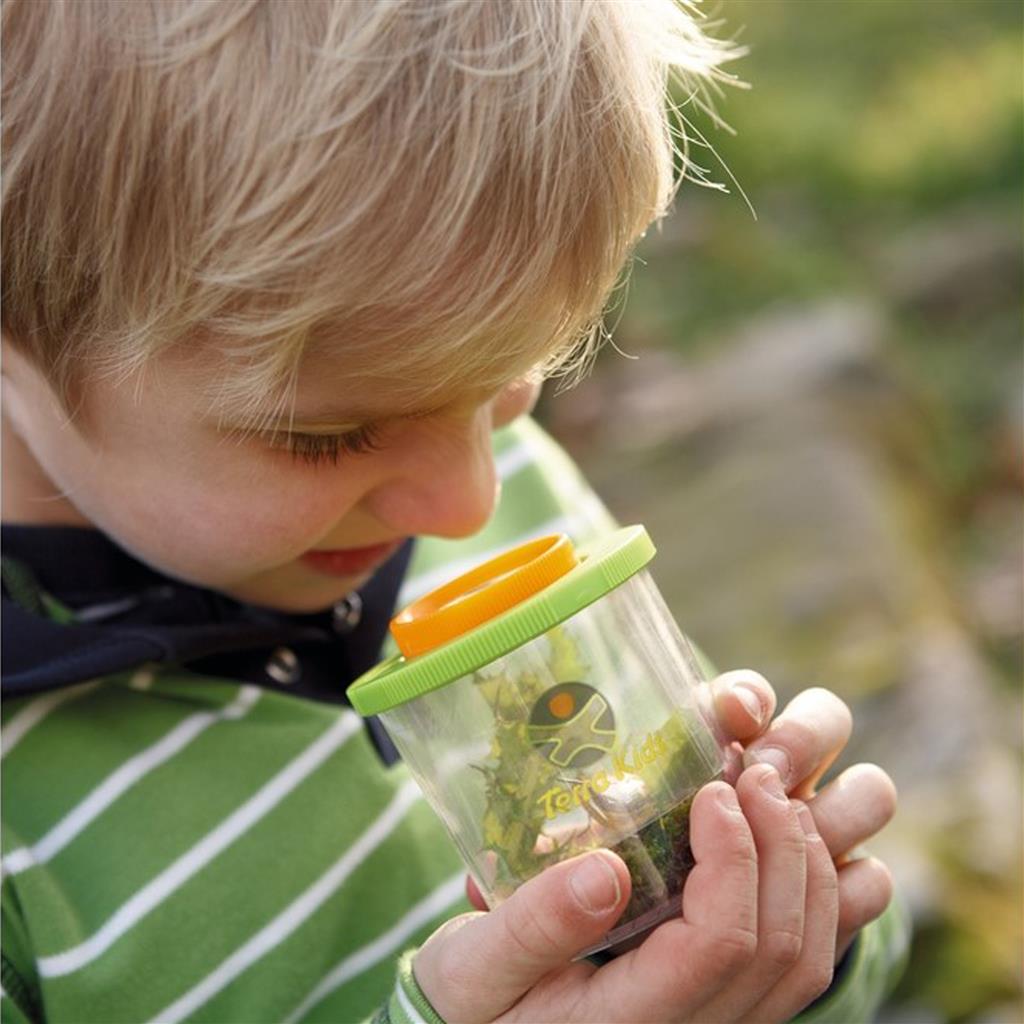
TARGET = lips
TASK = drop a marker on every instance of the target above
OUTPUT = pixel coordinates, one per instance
(349, 561)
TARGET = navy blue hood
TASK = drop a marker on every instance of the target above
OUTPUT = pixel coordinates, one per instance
(127, 615)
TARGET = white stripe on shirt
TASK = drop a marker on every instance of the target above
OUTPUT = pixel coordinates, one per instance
(298, 911)
(368, 956)
(507, 464)
(122, 779)
(172, 878)
(32, 714)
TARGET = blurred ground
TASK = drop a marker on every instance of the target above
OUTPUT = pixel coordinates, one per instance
(823, 431)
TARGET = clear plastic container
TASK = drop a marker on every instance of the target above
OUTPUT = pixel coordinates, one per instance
(569, 720)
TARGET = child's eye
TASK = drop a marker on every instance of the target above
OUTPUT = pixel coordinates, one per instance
(327, 448)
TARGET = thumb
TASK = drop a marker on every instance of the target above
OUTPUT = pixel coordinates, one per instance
(477, 965)
(744, 703)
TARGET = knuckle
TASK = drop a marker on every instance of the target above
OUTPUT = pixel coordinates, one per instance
(792, 841)
(734, 948)
(451, 973)
(802, 739)
(827, 890)
(742, 858)
(821, 871)
(450, 968)
(781, 948)
(527, 934)
(816, 979)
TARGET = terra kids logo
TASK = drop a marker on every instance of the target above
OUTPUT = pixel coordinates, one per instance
(572, 725)
(632, 761)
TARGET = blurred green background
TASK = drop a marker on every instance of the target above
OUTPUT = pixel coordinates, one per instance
(823, 429)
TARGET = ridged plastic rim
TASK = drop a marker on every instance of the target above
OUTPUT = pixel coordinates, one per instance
(603, 566)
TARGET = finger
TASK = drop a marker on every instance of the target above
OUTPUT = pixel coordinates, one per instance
(744, 703)
(865, 890)
(804, 740)
(474, 895)
(811, 974)
(477, 966)
(854, 807)
(782, 892)
(685, 962)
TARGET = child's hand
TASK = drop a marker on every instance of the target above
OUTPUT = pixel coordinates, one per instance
(756, 939)
(802, 743)
(807, 737)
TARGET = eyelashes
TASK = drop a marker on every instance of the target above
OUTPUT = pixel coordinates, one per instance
(327, 449)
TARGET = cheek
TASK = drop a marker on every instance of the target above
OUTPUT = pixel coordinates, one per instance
(212, 520)
(234, 528)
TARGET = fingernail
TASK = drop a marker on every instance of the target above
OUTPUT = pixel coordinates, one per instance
(748, 697)
(772, 785)
(774, 756)
(594, 884)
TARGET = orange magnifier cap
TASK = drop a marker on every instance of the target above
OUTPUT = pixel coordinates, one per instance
(481, 594)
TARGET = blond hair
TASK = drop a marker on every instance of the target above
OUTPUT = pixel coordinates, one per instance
(461, 179)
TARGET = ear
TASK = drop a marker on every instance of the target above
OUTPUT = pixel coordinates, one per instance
(11, 370)
(20, 380)
(14, 364)
(31, 412)
(516, 399)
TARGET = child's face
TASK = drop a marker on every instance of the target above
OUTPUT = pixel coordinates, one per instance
(154, 469)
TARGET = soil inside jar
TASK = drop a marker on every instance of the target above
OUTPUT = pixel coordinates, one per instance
(659, 860)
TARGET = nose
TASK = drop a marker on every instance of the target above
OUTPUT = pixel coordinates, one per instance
(443, 483)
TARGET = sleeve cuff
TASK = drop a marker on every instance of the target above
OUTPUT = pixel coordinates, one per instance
(408, 1004)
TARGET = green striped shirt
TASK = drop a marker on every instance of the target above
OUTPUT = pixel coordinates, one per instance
(183, 848)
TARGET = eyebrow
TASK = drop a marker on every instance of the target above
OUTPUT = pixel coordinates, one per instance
(326, 419)
(334, 421)
(307, 425)
(326, 422)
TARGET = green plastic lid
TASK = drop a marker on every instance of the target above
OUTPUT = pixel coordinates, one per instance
(602, 567)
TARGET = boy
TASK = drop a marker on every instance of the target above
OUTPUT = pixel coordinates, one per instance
(273, 273)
